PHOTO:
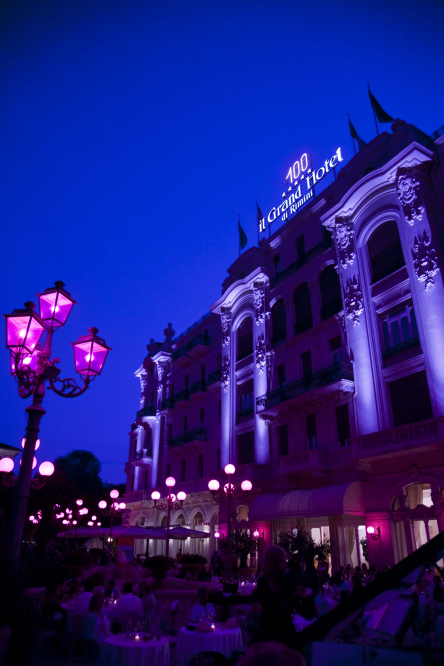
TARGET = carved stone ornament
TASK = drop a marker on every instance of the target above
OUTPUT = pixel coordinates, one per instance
(225, 374)
(260, 354)
(408, 187)
(344, 239)
(354, 301)
(259, 302)
(143, 384)
(225, 326)
(424, 259)
(161, 370)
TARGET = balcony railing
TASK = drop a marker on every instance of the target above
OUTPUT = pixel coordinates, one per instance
(144, 453)
(168, 403)
(181, 396)
(245, 414)
(318, 379)
(331, 309)
(200, 339)
(400, 348)
(182, 351)
(437, 133)
(303, 325)
(315, 251)
(146, 411)
(201, 385)
(214, 377)
(199, 435)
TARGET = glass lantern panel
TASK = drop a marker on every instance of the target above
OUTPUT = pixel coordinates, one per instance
(55, 307)
(23, 333)
(98, 358)
(82, 356)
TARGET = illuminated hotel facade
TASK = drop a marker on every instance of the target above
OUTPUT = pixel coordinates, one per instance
(319, 372)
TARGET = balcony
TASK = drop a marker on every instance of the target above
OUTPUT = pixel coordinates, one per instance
(180, 357)
(168, 405)
(331, 309)
(182, 398)
(303, 325)
(320, 384)
(299, 463)
(144, 456)
(198, 346)
(245, 414)
(198, 390)
(316, 251)
(400, 441)
(192, 440)
(146, 411)
(402, 352)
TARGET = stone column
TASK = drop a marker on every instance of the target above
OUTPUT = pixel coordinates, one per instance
(437, 500)
(261, 444)
(226, 444)
(367, 419)
(426, 283)
(334, 523)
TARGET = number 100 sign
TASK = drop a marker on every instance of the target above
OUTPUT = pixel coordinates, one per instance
(298, 169)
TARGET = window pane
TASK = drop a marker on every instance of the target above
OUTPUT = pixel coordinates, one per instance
(246, 447)
(410, 399)
(405, 328)
(396, 336)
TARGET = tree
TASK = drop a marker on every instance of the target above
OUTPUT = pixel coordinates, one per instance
(82, 468)
(242, 543)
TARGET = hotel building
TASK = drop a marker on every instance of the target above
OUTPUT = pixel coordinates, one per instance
(319, 372)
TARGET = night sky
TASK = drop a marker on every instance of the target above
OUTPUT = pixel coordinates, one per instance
(134, 132)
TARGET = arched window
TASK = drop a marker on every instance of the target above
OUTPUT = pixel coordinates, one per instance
(198, 519)
(302, 309)
(385, 251)
(278, 322)
(245, 338)
(331, 301)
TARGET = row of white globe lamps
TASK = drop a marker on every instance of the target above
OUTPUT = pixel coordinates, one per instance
(46, 468)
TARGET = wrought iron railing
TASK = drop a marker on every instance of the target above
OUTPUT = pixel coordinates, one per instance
(245, 414)
(199, 434)
(168, 403)
(200, 339)
(401, 347)
(329, 375)
(315, 251)
(144, 453)
(182, 395)
(201, 385)
(146, 411)
(214, 377)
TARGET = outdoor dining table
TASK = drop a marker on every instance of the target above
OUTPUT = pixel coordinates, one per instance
(69, 607)
(221, 640)
(121, 650)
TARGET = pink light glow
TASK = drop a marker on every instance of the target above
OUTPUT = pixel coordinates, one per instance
(170, 481)
(217, 535)
(93, 517)
(181, 496)
(246, 486)
(229, 469)
(65, 522)
(228, 486)
(102, 504)
(90, 353)
(114, 494)
(34, 462)
(99, 524)
(74, 522)
(122, 505)
(46, 468)
(256, 534)
(370, 529)
(79, 502)
(84, 511)
(55, 305)
(213, 484)
(24, 329)
(90, 523)
(31, 517)
(173, 497)
(6, 465)
(37, 443)
(155, 495)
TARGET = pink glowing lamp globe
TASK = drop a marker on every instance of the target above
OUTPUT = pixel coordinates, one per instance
(55, 305)
(93, 517)
(90, 523)
(370, 529)
(114, 494)
(170, 481)
(31, 517)
(79, 502)
(74, 522)
(217, 535)
(246, 486)
(256, 534)
(37, 444)
(229, 469)
(24, 328)
(46, 468)
(90, 354)
(213, 485)
(155, 495)
(122, 506)
(102, 504)
(181, 496)
(6, 465)
(99, 524)
(34, 462)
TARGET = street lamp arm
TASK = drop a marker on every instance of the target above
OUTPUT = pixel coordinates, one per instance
(69, 388)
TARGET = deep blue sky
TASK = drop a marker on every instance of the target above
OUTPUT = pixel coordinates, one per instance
(132, 135)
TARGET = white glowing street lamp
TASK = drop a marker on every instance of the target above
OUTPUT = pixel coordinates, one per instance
(170, 502)
(226, 495)
(32, 367)
(115, 508)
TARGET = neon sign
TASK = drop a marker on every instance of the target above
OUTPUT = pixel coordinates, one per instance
(298, 173)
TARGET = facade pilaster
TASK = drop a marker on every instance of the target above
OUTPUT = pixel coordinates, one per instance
(162, 361)
(262, 448)
(226, 436)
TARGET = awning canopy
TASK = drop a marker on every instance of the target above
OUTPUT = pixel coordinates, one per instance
(344, 499)
(177, 533)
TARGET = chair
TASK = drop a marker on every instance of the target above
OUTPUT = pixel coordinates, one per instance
(130, 620)
(209, 658)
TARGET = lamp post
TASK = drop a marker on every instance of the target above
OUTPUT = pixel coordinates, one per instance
(32, 368)
(10, 480)
(113, 509)
(168, 504)
(226, 495)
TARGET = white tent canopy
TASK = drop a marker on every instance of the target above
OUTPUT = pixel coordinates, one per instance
(136, 532)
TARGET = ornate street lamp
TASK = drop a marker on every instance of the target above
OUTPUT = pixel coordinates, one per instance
(73, 517)
(9, 480)
(226, 495)
(115, 508)
(32, 367)
(170, 502)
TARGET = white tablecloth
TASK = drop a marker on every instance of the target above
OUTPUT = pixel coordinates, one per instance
(300, 622)
(220, 640)
(122, 651)
(247, 588)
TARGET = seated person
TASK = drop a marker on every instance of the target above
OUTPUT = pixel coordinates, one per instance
(111, 591)
(204, 575)
(304, 604)
(148, 599)
(128, 603)
(95, 624)
(322, 605)
(203, 607)
(53, 613)
(81, 603)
